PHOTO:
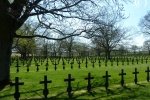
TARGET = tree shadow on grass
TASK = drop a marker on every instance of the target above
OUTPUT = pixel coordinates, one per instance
(97, 93)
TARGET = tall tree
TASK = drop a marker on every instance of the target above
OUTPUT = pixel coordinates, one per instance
(146, 46)
(25, 46)
(145, 23)
(105, 32)
(51, 14)
(134, 48)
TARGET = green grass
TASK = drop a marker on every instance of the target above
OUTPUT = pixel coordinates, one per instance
(57, 89)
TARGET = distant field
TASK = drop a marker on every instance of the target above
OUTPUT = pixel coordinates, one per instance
(57, 89)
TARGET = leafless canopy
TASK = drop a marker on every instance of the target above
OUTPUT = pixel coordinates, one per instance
(55, 17)
(145, 23)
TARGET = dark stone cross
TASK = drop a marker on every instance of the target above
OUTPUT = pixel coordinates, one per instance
(106, 63)
(72, 65)
(17, 94)
(17, 66)
(55, 65)
(147, 71)
(86, 63)
(46, 66)
(106, 80)
(99, 63)
(117, 61)
(93, 62)
(89, 78)
(137, 61)
(135, 73)
(122, 77)
(111, 62)
(37, 67)
(146, 60)
(45, 82)
(69, 88)
(133, 61)
(122, 62)
(63, 65)
(142, 60)
(127, 61)
(79, 64)
(27, 68)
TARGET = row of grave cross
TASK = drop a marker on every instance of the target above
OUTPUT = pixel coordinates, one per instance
(55, 62)
(70, 79)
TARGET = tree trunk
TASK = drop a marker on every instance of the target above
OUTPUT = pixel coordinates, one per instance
(9, 23)
(5, 50)
(6, 39)
(107, 54)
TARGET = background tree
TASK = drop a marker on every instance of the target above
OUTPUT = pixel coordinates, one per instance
(81, 49)
(134, 48)
(105, 32)
(146, 46)
(122, 50)
(25, 46)
(145, 23)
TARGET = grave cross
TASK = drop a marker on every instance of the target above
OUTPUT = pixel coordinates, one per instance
(106, 79)
(137, 61)
(86, 62)
(122, 62)
(133, 61)
(46, 66)
(89, 78)
(117, 61)
(93, 60)
(99, 62)
(79, 64)
(17, 94)
(148, 70)
(37, 67)
(72, 64)
(17, 66)
(111, 62)
(146, 60)
(135, 73)
(69, 88)
(45, 82)
(127, 61)
(122, 77)
(27, 68)
(63, 63)
(55, 64)
(106, 63)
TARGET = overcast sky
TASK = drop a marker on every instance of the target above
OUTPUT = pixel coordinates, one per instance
(135, 11)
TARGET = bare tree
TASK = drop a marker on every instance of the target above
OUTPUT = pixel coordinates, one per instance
(105, 32)
(134, 48)
(146, 45)
(145, 23)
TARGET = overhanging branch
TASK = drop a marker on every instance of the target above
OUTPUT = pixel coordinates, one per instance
(46, 37)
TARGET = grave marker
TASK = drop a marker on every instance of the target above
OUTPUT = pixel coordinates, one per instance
(16, 84)
(135, 73)
(122, 77)
(147, 71)
(17, 66)
(89, 78)
(69, 88)
(45, 82)
(106, 80)
(37, 67)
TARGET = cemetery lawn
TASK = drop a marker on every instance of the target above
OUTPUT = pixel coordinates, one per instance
(32, 90)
